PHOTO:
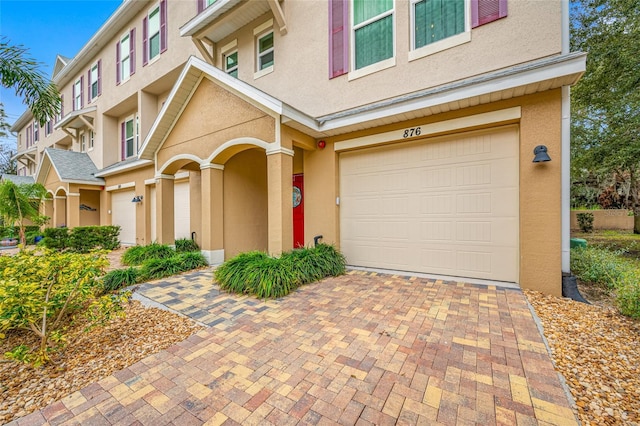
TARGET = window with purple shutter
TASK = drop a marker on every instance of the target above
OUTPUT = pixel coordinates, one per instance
(200, 5)
(132, 47)
(118, 77)
(73, 96)
(485, 11)
(163, 26)
(81, 92)
(89, 86)
(145, 41)
(338, 38)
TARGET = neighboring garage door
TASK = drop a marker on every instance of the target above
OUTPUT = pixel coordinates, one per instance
(123, 213)
(443, 206)
(182, 211)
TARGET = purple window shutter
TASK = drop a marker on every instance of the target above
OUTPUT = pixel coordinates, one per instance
(338, 38)
(81, 92)
(485, 11)
(61, 105)
(145, 41)
(73, 97)
(99, 77)
(118, 63)
(200, 5)
(89, 86)
(132, 51)
(163, 26)
(124, 148)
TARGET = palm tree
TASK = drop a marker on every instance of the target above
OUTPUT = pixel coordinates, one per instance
(19, 203)
(19, 71)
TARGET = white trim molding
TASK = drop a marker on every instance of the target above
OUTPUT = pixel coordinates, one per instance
(164, 177)
(425, 130)
(280, 150)
(212, 166)
(120, 186)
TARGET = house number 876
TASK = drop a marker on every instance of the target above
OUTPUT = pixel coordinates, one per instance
(415, 131)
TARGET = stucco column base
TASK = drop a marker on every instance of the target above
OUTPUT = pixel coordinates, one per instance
(165, 232)
(59, 211)
(212, 222)
(280, 205)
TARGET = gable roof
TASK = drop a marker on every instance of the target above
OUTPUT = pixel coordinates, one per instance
(61, 62)
(193, 72)
(18, 180)
(71, 167)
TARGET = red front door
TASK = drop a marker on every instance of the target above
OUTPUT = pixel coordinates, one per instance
(298, 211)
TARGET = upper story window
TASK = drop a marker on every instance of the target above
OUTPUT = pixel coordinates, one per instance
(94, 81)
(129, 135)
(48, 129)
(264, 39)
(231, 63)
(203, 4)
(36, 131)
(83, 142)
(154, 32)
(60, 113)
(77, 94)
(372, 29)
(126, 56)
(29, 136)
(91, 139)
(438, 25)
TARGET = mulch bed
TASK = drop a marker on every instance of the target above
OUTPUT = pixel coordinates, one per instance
(597, 350)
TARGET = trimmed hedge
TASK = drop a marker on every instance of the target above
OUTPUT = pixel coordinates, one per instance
(82, 239)
(264, 276)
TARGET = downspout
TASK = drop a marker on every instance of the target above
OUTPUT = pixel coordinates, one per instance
(569, 283)
(566, 150)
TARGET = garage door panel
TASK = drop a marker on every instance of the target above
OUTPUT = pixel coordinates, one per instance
(447, 207)
(123, 214)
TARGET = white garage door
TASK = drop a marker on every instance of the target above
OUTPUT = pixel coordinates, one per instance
(123, 213)
(182, 211)
(444, 206)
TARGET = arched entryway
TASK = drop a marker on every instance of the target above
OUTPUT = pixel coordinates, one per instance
(59, 208)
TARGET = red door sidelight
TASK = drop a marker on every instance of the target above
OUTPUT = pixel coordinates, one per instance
(298, 211)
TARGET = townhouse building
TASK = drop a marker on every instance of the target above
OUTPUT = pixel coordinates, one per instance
(402, 131)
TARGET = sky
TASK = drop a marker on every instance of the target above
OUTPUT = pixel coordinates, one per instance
(48, 28)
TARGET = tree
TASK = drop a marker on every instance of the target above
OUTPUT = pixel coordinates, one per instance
(20, 71)
(606, 101)
(21, 203)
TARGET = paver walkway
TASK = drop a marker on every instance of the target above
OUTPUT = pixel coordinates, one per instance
(358, 349)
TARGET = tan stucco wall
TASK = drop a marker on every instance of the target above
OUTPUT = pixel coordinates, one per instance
(531, 30)
(91, 199)
(212, 117)
(245, 203)
(605, 219)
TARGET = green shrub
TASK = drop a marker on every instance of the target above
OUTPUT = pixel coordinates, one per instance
(137, 255)
(264, 276)
(119, 278)
(192, 260)
(585, 221)
(153, 269)
(56, 238)
(82, 239)
(42, 293)
(628, 295)
(231, 274)
(597, 265)
(186, 245)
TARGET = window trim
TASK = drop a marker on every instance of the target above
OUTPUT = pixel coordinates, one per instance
(77, 95)
(96, 65)
(83, 142)
(91, 140)
(147, 52)
(440, 45)
(378, 66)
(259, 33)
(135, 136)
(120, 60)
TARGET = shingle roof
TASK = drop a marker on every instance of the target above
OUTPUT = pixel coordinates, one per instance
(18, 180)
(73, 166)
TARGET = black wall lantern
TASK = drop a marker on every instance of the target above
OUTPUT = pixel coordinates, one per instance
(541, 155)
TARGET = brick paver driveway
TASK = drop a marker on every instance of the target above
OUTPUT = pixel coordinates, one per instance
(358, 349)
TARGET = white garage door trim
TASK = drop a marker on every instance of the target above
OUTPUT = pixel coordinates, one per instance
(446, 205)
(123, 214)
